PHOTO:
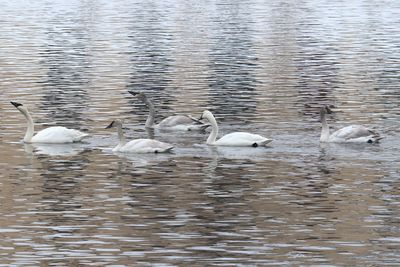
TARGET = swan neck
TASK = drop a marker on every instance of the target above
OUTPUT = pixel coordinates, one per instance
(214, 129)
(150, 118)
(325, 129)
(31, 127)
(121, 136)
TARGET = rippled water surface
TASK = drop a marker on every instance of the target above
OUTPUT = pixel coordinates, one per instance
(260, 66)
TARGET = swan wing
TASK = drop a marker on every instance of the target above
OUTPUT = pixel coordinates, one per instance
(355, 133)
(58, 134)
(175, 120)
(242, 139)
(182, 123)
(145, 146)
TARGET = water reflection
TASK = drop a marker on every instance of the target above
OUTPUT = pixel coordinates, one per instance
(248, 153)
(232, 64)
(54, 149)
(66, 61)
(150, 58)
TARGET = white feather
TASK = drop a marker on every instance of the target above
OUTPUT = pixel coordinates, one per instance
(348, 134)
(171, 123)
(51, 135)
(145, 146)
(58, 134)
(232, 139)
(138, 145)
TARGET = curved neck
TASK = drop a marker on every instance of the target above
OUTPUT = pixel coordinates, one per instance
(31, 127)
(325, 128)
(214, 129)
(150, 118)
(121, 136)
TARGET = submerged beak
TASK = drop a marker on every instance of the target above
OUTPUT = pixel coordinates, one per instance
(15, 104)
(110, 125)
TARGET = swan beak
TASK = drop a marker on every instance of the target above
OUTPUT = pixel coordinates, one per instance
(15, 104)
(133, 93)
(328, 110)
(111, 125)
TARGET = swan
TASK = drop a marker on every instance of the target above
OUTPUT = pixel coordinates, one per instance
(174, 123)
(52, 135)
(137, 145)
(349, 134)
(232, 139)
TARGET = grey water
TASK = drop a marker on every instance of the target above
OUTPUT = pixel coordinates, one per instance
(260, 66)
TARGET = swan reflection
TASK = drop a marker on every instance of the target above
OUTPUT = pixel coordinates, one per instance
(143, 160)
(53, 149)
(227, 152)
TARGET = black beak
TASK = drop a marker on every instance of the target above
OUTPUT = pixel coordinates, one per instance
(111, 125)
(133, 93)
(328, 110)
(15, 104)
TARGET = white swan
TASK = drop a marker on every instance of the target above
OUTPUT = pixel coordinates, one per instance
(174, 123)
(53, 135)
(348, 134)
(137, 145)
(232, 139)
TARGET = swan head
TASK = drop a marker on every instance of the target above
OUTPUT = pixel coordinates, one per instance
(325, 110)
(141, 96)
(114, 123)
(206, 114)
(19, 106)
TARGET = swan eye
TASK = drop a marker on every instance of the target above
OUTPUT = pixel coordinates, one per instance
(369, 141)
(255, 145)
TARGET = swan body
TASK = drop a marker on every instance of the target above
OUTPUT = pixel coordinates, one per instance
(138, 145)
(57, 134)
(172, 123)
(232, 139)
(51, 135)
(349, 134)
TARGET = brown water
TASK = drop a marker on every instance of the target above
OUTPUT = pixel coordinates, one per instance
(259, 66)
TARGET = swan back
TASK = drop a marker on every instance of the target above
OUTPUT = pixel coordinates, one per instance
(137, 145)
(181, 123)
(58, 134)
(242, 139)
(174, 122)
(145, 146)
(355, 134)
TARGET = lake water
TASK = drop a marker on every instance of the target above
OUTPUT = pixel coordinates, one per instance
(260, 66)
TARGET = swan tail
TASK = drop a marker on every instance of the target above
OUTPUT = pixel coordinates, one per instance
(169, 149)
(375, 138)
(165, 150)
(80, 136)
(265, 142)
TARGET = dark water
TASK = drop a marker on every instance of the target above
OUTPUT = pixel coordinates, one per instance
(260, 66)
